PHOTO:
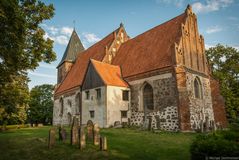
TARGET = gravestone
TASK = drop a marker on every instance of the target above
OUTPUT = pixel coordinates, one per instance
(146, 124)
(150, 123)
(157, 121)
(96, 134)
(117, 123)
(63, 134)
(59, 133)
(90, 128)
(52, 138)
(74, 131)
(82, 138)
(213, 126)
(206, 124)
(103, 143)
(201, 126)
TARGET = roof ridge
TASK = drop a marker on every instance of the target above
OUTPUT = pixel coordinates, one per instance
(157, 26)
(97, 65)
(87, 55)
(104, 63)
(101, 40)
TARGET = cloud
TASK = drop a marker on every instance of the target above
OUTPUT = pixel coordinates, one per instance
(66, 31)
(210, 5)
(41, 75)
(53, 30)
(59, 35)
(177, 3)
(47, 66)
(91, 37)
(236, 47)
(213, 29)
(61, 39)
(207, 46)
(233, 18)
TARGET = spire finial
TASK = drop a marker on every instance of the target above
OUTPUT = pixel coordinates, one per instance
(74, 23)
(189, 7)
(121, 24)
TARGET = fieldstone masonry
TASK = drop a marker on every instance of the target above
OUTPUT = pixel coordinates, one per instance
(165, 114)
(200, 109)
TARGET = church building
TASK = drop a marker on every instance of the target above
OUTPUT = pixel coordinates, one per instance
(160, 78)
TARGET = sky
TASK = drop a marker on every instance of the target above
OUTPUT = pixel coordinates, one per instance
(218, 22)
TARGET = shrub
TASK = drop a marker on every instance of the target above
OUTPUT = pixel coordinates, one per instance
(217, 144)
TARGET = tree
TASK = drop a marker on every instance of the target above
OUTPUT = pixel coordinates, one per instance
(41, 104)
(224, 61)
(22, 47)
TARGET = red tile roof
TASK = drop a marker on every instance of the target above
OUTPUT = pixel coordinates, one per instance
(110, 74)
(76, 75)
(146, 52)
(150, 50)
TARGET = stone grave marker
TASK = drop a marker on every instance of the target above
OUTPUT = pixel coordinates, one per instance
(74, 131)
(59, 133)
(82, 138)
(213, 126)
(146, 124)
(96, 134)
(206, 124)
(103, 143)
(117, 124)
(63, 134)
(150, 123)
(52, 138)
(90, 127)
(201, 126)
(157, 122)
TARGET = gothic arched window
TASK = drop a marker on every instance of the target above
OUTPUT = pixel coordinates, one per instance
(148, 97)
(61, 106)
(197, 88)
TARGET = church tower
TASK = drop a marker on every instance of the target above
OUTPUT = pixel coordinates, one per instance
(73, 48)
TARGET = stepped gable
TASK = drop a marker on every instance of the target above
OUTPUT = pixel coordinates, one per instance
(76, 75)
(110, 74)
(151, 50)
(73, 48)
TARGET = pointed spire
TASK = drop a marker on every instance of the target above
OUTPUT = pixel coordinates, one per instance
(189, 10)
(73, 48)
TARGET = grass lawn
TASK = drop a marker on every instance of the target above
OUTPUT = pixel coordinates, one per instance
(31, 143)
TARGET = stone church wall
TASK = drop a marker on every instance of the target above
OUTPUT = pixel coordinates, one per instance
(165, 113)
(200, 109)
(70, 109)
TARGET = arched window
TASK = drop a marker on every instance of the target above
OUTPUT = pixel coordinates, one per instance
(78, 103)
(61, 106)
(69, 103)
(148, 97)
(197, 88)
